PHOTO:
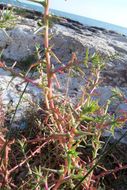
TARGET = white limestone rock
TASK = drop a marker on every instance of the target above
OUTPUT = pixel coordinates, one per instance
(22, 43)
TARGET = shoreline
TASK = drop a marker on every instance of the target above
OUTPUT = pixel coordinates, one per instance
(100, 25)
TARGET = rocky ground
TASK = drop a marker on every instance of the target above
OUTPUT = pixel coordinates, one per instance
(18, 45)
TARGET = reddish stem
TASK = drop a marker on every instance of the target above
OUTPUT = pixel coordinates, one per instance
(47, 54)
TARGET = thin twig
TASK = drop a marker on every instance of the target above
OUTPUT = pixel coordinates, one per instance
(28, 158)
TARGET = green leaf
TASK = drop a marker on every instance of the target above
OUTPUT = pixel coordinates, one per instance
(97, 61)
(91, 107)
(86, 58)
(86, 118)
(73, 152)
(117, 93)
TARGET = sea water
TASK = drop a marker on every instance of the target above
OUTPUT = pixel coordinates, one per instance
(84, 20)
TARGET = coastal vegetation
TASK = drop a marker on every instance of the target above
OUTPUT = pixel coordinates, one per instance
(62, 146)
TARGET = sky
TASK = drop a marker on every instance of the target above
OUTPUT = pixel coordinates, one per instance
(112, 11)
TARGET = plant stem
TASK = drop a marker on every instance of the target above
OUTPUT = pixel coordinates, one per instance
(47, 54)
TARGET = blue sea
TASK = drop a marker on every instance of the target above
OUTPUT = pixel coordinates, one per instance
(84, 20)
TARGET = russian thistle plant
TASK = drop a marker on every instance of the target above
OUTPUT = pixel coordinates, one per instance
(64, 148)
